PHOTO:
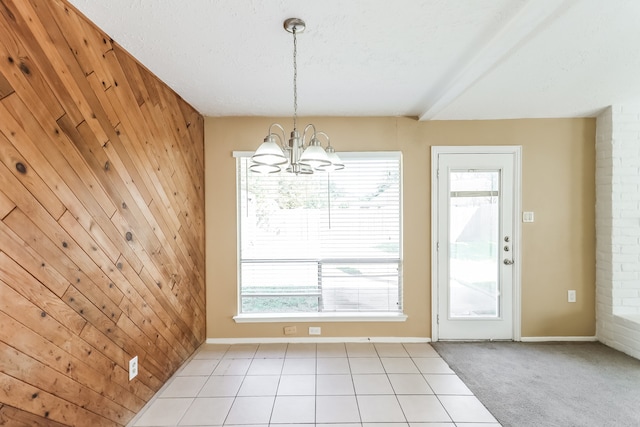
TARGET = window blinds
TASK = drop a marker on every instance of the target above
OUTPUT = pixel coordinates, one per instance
(327, 242)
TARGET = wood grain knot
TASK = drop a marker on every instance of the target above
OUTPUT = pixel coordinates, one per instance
(24, 68)
(128, 236)
(20, 167)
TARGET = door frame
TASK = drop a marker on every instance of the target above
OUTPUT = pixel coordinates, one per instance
(516, 151)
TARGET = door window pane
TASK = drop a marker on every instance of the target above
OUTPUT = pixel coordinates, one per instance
(474, 244)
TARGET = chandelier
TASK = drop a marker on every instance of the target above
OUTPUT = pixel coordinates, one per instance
(304, 153)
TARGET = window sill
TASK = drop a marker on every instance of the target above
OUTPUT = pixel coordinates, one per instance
(319, 317)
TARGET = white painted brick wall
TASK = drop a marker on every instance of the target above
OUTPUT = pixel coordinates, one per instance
(618, 228)
(626, 335)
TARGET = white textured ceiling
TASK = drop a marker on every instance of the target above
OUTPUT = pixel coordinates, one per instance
(434, 59)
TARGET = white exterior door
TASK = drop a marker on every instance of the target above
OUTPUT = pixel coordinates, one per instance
(476, 242)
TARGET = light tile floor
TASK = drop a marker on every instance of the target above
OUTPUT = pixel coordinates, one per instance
(307, 385)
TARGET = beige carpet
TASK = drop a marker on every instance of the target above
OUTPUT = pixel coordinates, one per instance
(549, 384)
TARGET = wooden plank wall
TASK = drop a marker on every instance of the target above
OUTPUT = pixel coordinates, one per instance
(101, 223)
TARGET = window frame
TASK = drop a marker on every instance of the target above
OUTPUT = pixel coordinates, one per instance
(355, 316)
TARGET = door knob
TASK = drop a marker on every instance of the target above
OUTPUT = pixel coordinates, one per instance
(508, 261)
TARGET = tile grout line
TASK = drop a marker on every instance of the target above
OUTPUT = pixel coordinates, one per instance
(394, 391)
(355, 395)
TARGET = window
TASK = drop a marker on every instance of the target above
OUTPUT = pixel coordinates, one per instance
(322, 243)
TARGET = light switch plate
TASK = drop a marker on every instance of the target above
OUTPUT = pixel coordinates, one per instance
(527, 217)
(571, 296)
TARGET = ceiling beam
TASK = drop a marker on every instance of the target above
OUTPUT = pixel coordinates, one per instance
(530, 19)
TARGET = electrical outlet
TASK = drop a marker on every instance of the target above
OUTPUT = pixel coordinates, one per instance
(133, 368)
(571, 296)
(290, 330)
(315, 330)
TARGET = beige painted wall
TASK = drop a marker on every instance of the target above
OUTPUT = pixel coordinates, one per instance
(558, 249)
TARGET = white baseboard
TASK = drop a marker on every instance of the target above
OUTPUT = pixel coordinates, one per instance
(566, 339)
(318, 340)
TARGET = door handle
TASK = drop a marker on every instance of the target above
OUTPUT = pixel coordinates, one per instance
(508, 261)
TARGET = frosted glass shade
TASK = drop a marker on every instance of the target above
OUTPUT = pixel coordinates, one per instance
(269, 153)
(336, 163)
(315, 157)
(264, 169)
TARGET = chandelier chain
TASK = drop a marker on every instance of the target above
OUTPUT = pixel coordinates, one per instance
(295, 79)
